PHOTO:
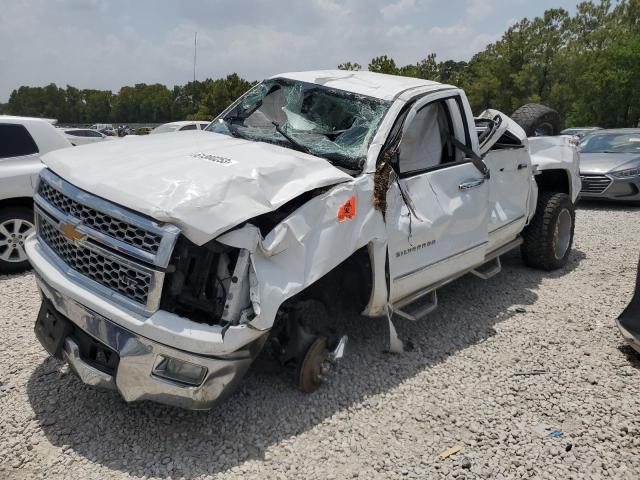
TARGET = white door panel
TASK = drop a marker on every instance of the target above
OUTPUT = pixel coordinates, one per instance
(447, 234)
(509, 193)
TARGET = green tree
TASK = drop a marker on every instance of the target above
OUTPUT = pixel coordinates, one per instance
(383, 64)
(350, 66)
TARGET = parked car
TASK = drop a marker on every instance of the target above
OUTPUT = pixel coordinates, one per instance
(22, 141)
(579, 132)
(84, 136)
(104, 128)
(166, 264)
(179, 127)
(610, 165)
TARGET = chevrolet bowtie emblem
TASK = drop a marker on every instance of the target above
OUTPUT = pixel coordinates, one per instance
(70, 231)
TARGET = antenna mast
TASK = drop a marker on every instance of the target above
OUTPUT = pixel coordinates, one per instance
(195, 48)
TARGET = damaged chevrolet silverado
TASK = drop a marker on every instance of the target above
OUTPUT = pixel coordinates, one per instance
(167, 263)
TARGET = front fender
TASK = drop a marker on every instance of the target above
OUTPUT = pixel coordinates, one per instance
(557, 153)
(307, 245)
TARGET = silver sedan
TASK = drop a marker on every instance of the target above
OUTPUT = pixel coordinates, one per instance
(610, 165)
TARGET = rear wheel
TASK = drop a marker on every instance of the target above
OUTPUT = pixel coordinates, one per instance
(549, 236)
(537, 120)
(16, 224)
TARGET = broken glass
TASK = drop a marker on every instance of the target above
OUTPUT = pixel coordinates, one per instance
(333, 124)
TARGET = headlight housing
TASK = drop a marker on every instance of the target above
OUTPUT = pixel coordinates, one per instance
(631, 172)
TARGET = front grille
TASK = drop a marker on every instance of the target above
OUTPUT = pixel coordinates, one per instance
(123, 279)
(106, 224)
(594, 183)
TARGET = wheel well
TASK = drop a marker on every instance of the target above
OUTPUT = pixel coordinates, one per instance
(17, 202)
(553, 181)
(347, 286)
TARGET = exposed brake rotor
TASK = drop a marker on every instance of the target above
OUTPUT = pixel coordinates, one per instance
(317, 363)
(314, 366)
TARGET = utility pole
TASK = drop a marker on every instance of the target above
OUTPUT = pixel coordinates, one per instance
(195, 49)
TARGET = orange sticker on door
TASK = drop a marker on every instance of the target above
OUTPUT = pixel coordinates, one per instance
(347, 210)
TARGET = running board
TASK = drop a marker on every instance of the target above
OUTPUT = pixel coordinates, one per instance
(422, 310)
(491, 267)
(488, 270)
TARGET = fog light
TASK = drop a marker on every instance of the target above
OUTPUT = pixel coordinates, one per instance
(179, 371)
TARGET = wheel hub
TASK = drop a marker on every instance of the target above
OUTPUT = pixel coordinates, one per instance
(13, 233)
(562, 234)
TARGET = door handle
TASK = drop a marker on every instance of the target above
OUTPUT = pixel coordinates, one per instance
(522, 165)
(471, 184)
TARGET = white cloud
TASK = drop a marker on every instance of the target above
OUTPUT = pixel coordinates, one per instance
(481, 9)
(110, 43)
(397, 8)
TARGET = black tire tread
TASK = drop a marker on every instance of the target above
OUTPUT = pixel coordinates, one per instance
(537, 248)
(531, 115)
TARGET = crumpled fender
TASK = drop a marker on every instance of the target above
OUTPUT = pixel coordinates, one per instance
(307, 245)
(557, 153)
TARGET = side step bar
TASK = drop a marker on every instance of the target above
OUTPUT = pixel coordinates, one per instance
(491, 267)
(488, 270)
(422, 310)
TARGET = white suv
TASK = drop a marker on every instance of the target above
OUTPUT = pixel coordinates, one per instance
(22, 141)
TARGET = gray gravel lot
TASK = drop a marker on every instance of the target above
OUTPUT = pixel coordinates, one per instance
(382, 416)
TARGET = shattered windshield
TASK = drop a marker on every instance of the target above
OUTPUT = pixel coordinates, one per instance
(333, 124)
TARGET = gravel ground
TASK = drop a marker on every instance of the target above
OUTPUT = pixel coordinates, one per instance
(382, 416)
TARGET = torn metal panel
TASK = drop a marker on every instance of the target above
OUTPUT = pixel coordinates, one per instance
(504, 130)
(557, 153)
(307, 245)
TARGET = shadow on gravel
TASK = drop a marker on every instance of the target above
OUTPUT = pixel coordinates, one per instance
(607, 205)
(632, 356)
(150, 439)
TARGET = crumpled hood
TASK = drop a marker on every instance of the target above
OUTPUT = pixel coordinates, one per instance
(205, 183)
(606, 162)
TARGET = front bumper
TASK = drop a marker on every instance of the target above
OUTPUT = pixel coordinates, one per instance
(226, 353)
(621, 189)
(134, 377)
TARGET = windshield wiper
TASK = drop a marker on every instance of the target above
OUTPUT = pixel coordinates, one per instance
(232, 128)
(293, 142)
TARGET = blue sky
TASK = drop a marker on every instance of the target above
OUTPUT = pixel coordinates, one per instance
(110, 43)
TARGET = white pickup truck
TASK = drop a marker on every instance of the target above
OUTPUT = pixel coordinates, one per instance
(167, 262)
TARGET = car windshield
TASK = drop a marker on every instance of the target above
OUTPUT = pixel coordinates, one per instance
(328, 123)
(166, 128)
(611, 143)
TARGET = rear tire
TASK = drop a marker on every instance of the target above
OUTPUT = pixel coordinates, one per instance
(549, 236)
(537, 120)
(16, 223)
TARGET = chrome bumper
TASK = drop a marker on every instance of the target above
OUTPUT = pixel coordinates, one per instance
(134, 378)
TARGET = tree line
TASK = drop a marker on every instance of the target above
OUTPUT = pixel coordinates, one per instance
(585, 65)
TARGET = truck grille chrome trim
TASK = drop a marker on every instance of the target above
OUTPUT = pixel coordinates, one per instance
(107, 223)
(104, 255)
(123, 231)
(594, 183)
(131, 281)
